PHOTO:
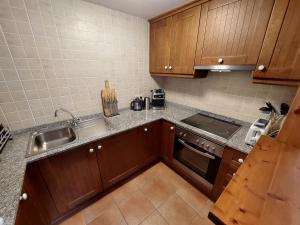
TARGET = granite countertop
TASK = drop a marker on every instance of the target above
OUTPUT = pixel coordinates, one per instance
(13, 162)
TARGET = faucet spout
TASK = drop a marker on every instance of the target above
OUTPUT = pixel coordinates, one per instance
(75, 119)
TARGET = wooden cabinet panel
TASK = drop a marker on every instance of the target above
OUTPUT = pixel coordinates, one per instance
(229, 165)
(160, 34)
(234, 31)
(72, 177)
(150, 136)
(184, 40)
(124, 154)
(38, 208)
(119, 157)
(280, 53)
(167, 140)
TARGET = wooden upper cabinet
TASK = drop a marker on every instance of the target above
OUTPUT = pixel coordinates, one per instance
(173, 43)
(184, 41)
(280, 55)
(72, 177)
(232, 30)
(160, 34)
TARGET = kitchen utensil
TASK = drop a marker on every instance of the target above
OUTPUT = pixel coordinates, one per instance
(109, 101)
(136, 104)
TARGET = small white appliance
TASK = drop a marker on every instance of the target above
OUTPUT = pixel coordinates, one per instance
(258, 128)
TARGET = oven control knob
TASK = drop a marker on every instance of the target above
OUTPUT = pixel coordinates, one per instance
(180, 133)
(202, 143)
(184, 135)
(207, 146)
(197, 141)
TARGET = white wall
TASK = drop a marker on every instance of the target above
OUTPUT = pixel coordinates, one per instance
(230, 94)
(57, 53)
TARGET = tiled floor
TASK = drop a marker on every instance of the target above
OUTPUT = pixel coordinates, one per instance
(156, 197)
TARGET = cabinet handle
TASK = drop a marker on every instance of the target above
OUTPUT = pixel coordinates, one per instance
(170, 67)
(145, 129)
(166, 67)
(297, 110)
(91, 150)
(240, 160)
(172, 128)
(99, 147)
(261, 67)
(220, 60)
(23, 196)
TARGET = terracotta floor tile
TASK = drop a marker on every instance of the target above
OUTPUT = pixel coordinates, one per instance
(204, 212)
(193, 197)
(176, 212)
(77, 219)
(136, 208)
(94, 210)
(154, 219)
(201, 221)
(121, 194)
(158, 191)
(110, 216)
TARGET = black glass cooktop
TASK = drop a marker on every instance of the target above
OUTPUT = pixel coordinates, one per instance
(212, 125)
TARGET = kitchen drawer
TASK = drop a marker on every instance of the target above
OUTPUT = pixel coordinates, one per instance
(231, 161)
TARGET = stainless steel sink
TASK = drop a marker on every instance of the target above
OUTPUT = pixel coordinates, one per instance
(49, 139)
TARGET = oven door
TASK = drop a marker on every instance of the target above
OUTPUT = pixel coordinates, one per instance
(197, 159)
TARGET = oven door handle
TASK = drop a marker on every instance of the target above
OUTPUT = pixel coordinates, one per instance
(195, 150)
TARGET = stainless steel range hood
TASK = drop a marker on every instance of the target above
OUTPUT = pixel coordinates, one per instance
(225, 68)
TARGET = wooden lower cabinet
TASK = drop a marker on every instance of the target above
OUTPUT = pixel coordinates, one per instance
(124, 154)
(231, 161)
(38, 208)
(167, 141)
(72, 177)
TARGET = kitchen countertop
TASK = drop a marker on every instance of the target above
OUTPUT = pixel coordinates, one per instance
(13, 162)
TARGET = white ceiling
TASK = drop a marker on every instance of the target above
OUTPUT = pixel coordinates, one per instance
(142, 8)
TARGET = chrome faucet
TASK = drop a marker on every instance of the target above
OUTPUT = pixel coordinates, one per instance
(75, 120)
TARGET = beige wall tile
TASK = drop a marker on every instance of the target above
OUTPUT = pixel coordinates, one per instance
(59, 53)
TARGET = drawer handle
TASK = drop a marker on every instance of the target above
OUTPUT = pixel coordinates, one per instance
(145, 129)
(23, 197)
(261, 67)
(91, 150)
(297, 110)
(240, 160)
(195, 150)
(99, 147)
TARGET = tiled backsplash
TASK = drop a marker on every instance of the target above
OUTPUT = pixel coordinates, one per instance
(57, 53)
(230, 94)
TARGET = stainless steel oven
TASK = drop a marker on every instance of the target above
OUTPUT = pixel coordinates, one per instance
(198, 154)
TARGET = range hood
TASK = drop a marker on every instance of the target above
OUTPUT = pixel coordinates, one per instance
(225, 68)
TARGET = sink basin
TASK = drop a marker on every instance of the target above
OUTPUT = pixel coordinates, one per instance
(49, 139)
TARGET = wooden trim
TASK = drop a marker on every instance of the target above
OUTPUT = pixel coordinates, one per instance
(177, 10)
(276, 82)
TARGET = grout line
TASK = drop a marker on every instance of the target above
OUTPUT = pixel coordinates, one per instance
(114, 202)
(14, 65)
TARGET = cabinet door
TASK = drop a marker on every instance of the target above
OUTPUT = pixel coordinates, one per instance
(233, 30)
(38, 208)
(280, 55)
(72, 177)
(167, 140)
(160, 34)
(150, 137)
(119, 157)
(231, 161)
(184, 41)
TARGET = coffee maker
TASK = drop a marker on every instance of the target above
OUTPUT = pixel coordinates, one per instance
(158, 99)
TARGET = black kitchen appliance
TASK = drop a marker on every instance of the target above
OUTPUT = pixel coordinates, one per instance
(137, 104)
(213, 125)
(158, 98)
(198, 154)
